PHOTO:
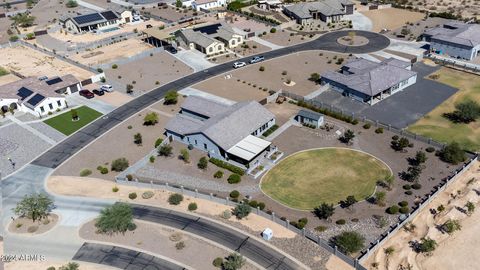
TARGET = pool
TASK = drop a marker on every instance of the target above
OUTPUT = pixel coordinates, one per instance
(109, 29)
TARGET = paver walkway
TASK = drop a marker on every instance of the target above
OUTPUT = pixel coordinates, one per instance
(32, 130)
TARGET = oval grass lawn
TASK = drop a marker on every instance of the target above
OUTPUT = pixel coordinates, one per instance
(306, 179)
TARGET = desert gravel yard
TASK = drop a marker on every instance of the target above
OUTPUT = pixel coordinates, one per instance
(170, 13)
(391, 18)
(286, 38)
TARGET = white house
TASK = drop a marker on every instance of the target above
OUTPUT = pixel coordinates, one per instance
(208, 4)
(227, 132)
(94, 21)
(328, 11)
(38, 97)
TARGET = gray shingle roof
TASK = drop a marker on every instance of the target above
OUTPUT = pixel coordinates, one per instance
(226, 128)
(456, 32)
(198, 38)
(369, 77)
(310, 114)
(203, 106)
(326, 7)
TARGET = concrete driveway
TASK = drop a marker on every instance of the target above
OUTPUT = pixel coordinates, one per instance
(194, 59)
(360, 21)
(94, 103)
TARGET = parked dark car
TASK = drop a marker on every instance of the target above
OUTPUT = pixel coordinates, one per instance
(172, 49)
(86, 94)
(98, 92)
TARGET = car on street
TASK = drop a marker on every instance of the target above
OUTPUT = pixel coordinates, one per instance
(86, 93)
(171, 49)
(98, 92)
(239, 64)
(106, 88)
(257, 59)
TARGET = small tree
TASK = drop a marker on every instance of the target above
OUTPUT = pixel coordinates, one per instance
(202, 163)
(452, 153)
(413, 173)
(400, 145)
(165, 150)
(242, 210)
(178, 4)
(349, 202)
(380, 198)
(420, 158)
(349, 241)
(34, 206)
(348, 136)
(470, 207)
(427, 245)
(71, 4)
(314, 77)
(175, 199)
(324, 211)
(150, 119)
(450, 226)
(389, 181)
(137, 139)
(23, 20)
(465, 112)
(119, 164)
(185, 155)
(70, 266)
(74, 114)
(234, 261)
(117, 218)
(171, 97)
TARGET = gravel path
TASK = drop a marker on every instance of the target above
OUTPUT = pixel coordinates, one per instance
(193, 182)
(48, 131)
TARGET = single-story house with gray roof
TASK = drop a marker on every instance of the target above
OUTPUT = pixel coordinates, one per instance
(456, 39)
(92, 21)
(324, 10)
(227, 132)
(307, 117)
(369, 81)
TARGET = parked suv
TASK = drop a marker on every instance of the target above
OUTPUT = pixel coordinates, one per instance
(257, 59)
(98, 92)
(106, 88)
(239, 64)
(86, 93)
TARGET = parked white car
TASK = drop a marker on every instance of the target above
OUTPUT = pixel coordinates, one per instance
(106, 88)
(239, 64)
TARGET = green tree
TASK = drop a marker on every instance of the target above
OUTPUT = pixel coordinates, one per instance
(314, 77)
(234, 261)
(185, 155)
(380, 197)
(324, 211)
(71, 4)
(23, 20)
(348, 136)
(178, 3)
(349, 241)
(427, 245)
(74, 114)
(34, 206)
(150, 119)
(117, 218)
(165, 150)
(399, 145)
(450, 226)
(202, 163)
(465, 112)
(452, 153)
(470, 207)
(242, 210)
(420, 157)
(70, 266)
(413, 173)
(349, 201)
(171, 97)
(119, 164)
(175, 199)
(137, 139)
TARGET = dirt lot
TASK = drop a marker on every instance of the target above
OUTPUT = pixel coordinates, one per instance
(30, 62)
(253, 48)
(42, 265)
(467, 8)
(46, 11)
(414, 30)
(115, 144)
(8, 79)
(107, 54)
(286, 38)
(391, 18)
(457, 251)
(161, 67)
(4, 26)
(247, 25)
(298, 68)
(170, 13)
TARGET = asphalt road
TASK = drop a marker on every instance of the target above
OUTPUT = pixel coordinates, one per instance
(253, 249)
(65, 149)
(122, 258)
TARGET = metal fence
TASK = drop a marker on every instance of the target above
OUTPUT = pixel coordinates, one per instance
(364, 119)
(446, 61)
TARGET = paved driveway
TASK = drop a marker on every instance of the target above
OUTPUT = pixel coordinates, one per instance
(401, 109)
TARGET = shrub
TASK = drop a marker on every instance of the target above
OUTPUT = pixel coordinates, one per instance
(226, 214)
(395, 137)
(349, 242)
(452, 153)
(302, 223)
(218, 174)
(379, 130)
(158, 142)
(147, 194)
(392, 210)
(430, 149)
(129, 177)
(114, 66)
(273, 30)
(104, 170)
(242, 210)
(175, 199)
(152, 159)
(115, 218)
(324, 211)
(367, 126)
(218, 262)
(137, 139)
(341, 222)
(234, 179)
(119, 164)
(150, 119)
(270, 130)
(261, 205)
(262, 68)
(234, 261)
(99, 70)
(404, 210)
(407, 187)
(450, 226)
(132, 196)
(185, 155)
(180, 245)
(192, 206)
(227, 166)
(403, 203)
(253, 204)
(234, 194)
(427, 245)
(171, 97)
(202, 163)
(85, 172)
(115, 189)
(321, 228)
(165, 150)
(408, 192)
(416, 186)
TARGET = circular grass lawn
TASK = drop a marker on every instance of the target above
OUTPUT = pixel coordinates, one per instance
(306, 179)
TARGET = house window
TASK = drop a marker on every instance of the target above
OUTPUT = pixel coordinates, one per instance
(211, 49)
(195, 142)
(205, 146)
(42, 109)
(59, 103)
(219, 47)
(50, 106)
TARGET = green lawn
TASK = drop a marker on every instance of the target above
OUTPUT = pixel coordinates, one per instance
(63, 122)
(435, 126)
(306, 179)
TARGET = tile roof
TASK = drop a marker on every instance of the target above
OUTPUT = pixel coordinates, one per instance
(456, 32)
(369, 77)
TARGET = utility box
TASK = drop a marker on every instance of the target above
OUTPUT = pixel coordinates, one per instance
(267, 234)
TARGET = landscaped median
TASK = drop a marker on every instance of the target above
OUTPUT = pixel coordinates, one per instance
(67, 123)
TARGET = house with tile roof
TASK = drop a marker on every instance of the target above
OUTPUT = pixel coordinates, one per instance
(228, 132)
(370, 82)
(456, 39)
(325, 10)
(38, 97)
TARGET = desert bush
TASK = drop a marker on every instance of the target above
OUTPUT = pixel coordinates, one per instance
(226, 214)
(218, 174)
(392, 210)
(85, 172)
(234, 179)
(192, 206)
(234, 194)
(147, 194)
(175, 199)
(119, 164)
(341, 222)
(132, 196)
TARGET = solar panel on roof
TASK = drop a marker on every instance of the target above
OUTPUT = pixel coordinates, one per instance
(35, 99)
(54, 81)
(88, 18)
(24, 93)
(109, 15)
(209, 29)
